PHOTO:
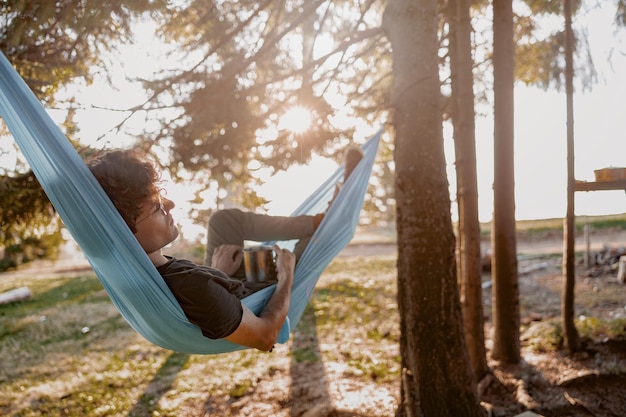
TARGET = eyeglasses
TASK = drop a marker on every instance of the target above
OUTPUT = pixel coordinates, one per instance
(158, 206)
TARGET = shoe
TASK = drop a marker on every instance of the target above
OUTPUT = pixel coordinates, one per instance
(352, 158)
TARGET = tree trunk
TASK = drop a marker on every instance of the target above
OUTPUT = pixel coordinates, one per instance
(468, 235)
(506, 346)
(572, 341)
(437, 379)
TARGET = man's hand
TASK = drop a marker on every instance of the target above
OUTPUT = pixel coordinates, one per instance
(260, 332)
(285, 263)
(227, 258)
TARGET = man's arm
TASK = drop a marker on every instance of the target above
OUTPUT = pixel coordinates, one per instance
(261, 332)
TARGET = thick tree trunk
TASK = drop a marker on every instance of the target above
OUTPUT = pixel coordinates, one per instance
(437, 379)
(506, 320)
(468, 235)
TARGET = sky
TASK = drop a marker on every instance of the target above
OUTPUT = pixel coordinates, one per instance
(540, 135)
(541, 138)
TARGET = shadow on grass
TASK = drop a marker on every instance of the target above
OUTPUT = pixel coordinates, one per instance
(309, 387)
(160, 384)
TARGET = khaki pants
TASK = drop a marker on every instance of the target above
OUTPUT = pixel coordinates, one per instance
(233, 227)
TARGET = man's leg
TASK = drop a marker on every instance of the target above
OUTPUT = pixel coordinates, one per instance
(352, 157)
(234, 226)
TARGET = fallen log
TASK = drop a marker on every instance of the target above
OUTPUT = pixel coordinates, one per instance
(17, 294)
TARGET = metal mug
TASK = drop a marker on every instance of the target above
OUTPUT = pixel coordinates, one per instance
(259, 263)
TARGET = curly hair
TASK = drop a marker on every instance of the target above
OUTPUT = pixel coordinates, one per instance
(128, 179)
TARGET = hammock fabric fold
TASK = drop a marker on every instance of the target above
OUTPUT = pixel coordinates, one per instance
(131, 281)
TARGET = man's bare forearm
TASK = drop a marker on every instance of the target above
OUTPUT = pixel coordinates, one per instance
(276, 309)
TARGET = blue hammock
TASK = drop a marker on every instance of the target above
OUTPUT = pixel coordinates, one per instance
(131, 281)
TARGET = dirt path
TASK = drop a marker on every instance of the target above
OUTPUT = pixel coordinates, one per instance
(366, 244)
(553, 242)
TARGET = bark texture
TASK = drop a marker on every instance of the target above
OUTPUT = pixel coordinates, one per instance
(437, 379)
(572, 339)
(468, 231)
(506, 316)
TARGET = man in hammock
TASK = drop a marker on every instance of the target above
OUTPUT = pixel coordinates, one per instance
(210, 295)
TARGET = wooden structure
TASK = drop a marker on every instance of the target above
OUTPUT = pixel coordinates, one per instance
(600, 185)
(619, 184)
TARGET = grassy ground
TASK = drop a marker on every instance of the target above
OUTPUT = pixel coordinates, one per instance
(67, 352)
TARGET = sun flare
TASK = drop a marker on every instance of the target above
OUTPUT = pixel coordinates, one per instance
(296, 119)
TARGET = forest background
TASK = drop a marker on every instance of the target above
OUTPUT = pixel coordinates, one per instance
(115, 88)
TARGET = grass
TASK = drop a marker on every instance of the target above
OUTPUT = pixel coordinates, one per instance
(67, 352)
(544, 226)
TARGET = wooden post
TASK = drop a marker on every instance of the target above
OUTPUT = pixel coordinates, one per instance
(587, 247)
(621, 271)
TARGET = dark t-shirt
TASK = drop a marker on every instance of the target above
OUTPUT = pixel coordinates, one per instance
(209, 298)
